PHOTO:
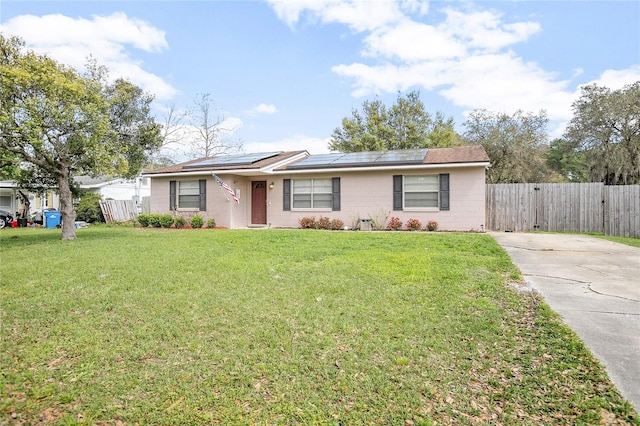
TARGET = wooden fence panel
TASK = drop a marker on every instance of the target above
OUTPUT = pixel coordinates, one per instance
(622, 213)
(507, 207)
(546, 207)
(118, 210)
(569, 207)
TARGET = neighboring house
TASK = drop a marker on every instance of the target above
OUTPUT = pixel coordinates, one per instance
(10, 200)
(8, 196)
(116, 189)
(277, 189)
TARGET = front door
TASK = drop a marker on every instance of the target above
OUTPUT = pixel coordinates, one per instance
(259, 203)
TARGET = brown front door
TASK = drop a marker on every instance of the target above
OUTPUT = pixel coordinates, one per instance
(259, 203)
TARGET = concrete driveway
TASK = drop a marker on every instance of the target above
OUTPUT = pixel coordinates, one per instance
(594, 285)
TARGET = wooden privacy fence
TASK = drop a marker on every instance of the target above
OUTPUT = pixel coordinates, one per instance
(569, 207)
(622, 211)
(118, 210)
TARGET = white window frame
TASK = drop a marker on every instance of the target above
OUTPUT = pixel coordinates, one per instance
(193, 191)
(319, 193)
(431, 186)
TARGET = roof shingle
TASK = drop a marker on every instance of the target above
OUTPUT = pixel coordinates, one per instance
(458, 154)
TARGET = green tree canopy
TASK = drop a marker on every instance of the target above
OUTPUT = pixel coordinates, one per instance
(566, 161)
(56, 123)
(605, 128)
(516, 144)
(405, 125)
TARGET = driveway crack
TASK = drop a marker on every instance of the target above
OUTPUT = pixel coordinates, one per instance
(558, 278)
(548, 249)
(610, 312)
(610, 295)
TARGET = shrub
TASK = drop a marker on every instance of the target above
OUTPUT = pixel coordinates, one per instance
(394, 223)
(337, 224)
(88, 208)
(196, 221)
(166, 220)
(143, 219)
(414, 225)
(211, 223)
(154, 220)
(432, 225)
(323, 223)
(180, 222)
(307, 222)
(378, 220)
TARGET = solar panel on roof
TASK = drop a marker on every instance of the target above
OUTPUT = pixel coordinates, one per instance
(367, 158)
(233, 160)
(403, 156)
(316, 160)
(357, 158)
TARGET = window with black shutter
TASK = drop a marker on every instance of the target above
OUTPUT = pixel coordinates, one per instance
(203, 194)
(421, 192)
(397, 192)
(286, 194)
(172, 195)
(444, 191)
(335, 193)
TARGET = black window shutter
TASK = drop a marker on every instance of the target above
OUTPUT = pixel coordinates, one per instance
(203, 194)
(444, 191)
(172, 195)
(335, 194)
(397, 192)
(286, 194)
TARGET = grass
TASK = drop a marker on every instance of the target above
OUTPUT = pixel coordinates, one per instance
(634, 242)
(629, 241)
(126, 326)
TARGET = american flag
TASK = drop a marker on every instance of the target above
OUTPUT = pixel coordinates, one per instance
(226, 188)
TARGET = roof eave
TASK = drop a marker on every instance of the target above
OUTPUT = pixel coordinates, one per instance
(484, 164)
(99, 185)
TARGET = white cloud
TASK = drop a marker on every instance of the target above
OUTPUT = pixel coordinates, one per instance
(106, 38)
(463, 56)
(412, 41)
(485, 30)
(294, 143)
(617, 79)
(459, 35)
(264, 109)
(467, 57)
(358, 15)
(420, 7)
(230, 125)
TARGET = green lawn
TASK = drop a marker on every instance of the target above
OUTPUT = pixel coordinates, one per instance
(283, 327)
(635, 242)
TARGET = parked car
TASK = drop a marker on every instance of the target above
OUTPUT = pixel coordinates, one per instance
(5, 218)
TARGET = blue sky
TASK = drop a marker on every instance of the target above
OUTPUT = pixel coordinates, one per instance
(285, 73)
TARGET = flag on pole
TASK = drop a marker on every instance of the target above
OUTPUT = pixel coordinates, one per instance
(226, 187)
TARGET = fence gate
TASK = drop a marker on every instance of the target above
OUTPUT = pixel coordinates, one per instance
(569, 207)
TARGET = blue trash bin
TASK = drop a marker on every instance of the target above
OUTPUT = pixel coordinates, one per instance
(52, 219)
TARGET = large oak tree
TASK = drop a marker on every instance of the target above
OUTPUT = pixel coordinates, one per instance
(56, 124)
(516, 144)
(605, 129)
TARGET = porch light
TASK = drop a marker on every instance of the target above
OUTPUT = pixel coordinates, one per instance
(271, 185)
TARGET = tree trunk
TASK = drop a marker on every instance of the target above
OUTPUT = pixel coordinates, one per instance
(66, 208)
